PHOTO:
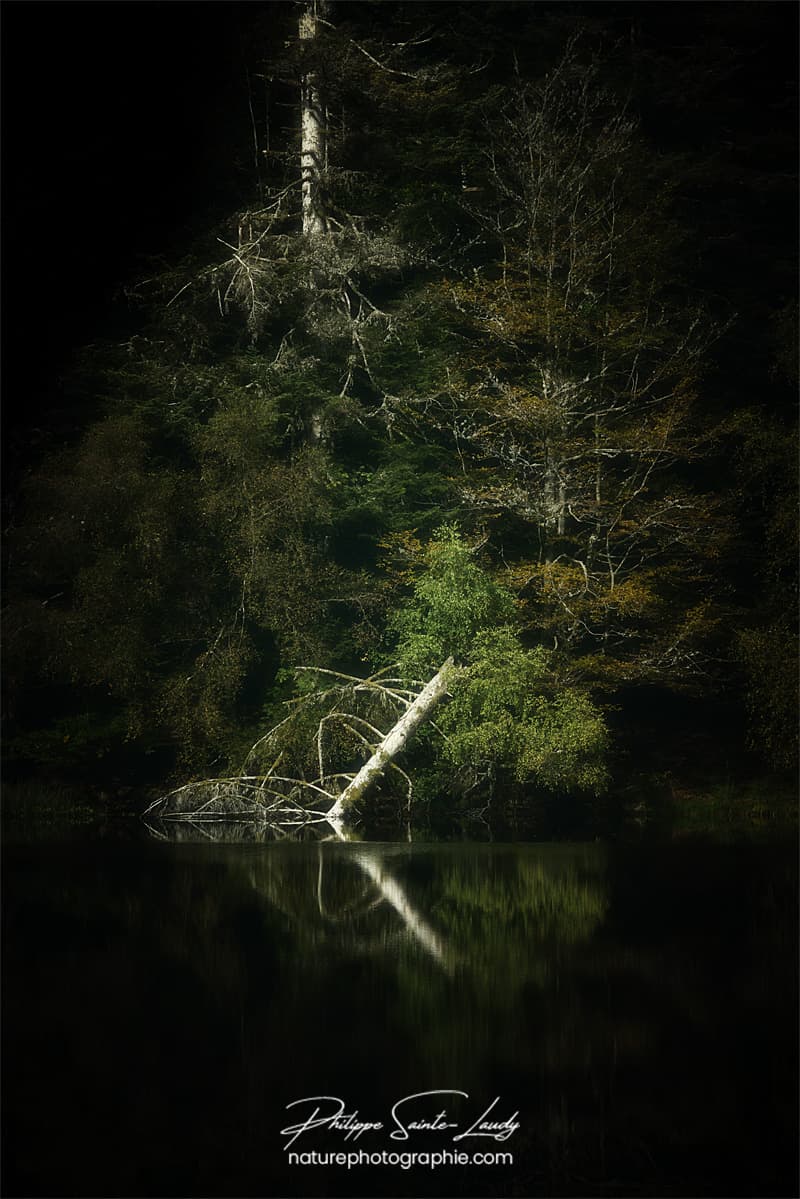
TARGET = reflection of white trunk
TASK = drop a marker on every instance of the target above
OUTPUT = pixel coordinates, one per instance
(370, 861)
(393, 893)
(393, 743)
(312, 129)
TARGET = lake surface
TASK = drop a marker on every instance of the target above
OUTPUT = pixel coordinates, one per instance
(623, 1018)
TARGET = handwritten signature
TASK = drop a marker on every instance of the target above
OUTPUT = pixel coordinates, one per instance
(408, 1115)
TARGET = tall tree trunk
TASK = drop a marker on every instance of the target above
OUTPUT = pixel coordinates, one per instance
(313, 151)
(313, 131)
(393, 743)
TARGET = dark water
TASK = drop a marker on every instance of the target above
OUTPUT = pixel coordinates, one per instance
(633, 1010)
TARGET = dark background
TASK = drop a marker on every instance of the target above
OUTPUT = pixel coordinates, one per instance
(117, 146)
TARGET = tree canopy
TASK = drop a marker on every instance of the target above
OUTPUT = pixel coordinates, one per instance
(449, 381)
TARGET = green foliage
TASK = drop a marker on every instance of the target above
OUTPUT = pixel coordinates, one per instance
(166, 560)
(453, 600)
(504, 711)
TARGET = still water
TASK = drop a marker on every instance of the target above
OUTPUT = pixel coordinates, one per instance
(615, 1020)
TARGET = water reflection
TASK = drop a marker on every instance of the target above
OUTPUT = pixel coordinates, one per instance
(637, 1007)
(483, 914)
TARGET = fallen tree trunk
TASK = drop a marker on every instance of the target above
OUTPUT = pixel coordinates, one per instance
(392, 744)
(292, 799)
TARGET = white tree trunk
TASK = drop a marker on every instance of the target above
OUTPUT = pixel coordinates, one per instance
(393, 893)
(312, 130)
(393, 743)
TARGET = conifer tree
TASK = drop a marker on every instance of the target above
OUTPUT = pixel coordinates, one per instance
(455, 297)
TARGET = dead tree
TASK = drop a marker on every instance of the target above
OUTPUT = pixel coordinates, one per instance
(393, 743)
(334, 795)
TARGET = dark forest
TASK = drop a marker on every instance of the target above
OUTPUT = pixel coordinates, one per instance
(537, 304)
